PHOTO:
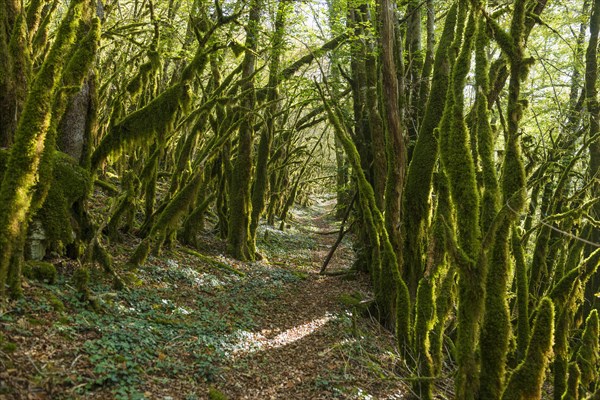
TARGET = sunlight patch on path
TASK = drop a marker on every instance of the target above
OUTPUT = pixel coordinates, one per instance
(251, 342)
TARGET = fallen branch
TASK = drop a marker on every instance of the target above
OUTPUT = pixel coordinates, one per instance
(341, 234)
(212, 262)
(338, 273)
(109, 187)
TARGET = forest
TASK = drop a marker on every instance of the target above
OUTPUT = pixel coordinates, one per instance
(341, 199)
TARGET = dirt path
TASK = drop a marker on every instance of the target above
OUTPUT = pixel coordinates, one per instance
(307, 346)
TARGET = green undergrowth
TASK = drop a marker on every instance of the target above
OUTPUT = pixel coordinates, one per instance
(291, 244)
(178, 322)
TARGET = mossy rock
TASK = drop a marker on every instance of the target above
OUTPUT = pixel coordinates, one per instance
(56, 303)
(350, 299)
(215, 394)
(81, 280)
(40, 271)
(356, 301)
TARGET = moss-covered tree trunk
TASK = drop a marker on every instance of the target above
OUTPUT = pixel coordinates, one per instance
(416, 202)
(259, 187)
(496, 329)
(593, 107)
(414, 66)
(15, 66)
(376, 139)
(28, 151)
(240, 207)
(456, 156)
(361, 132)
(396, 152)
(383, 257)
(526, 381)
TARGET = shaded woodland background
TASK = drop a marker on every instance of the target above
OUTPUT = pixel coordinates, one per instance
(462, 137)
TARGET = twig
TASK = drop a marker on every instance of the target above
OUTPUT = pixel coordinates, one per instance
(75, 361)
(34, 366)
(560, 230)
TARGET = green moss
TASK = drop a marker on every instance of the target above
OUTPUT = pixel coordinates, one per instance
(140, 80)
(215, 394)
(70, 183)
(572, 392)
(443, 308)
(391, 292)
(177, 207)
(420, 170)
(40, 271)
(485, 140)
(81, 281)
(563, 321)
(522, 296)
(141, 126)
(459, 166)
(588, 357)
(350, 299)
(425, 319)
(503, 39)
(167, 221)
(140, 255)
(526, 381)
(56, 219)
(9, 347)
(56, 303)
(22, 172)
(496, 329)
(102, 257)
(130, 278)
(212, 262)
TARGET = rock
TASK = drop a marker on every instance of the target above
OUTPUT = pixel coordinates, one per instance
(36, 242)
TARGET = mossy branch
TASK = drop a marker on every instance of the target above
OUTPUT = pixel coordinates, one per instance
(527, 379)
(157, 117)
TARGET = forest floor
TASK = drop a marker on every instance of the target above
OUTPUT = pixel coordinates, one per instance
(190, 329)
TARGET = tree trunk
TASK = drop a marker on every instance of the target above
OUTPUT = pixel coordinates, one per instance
(240, 207)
